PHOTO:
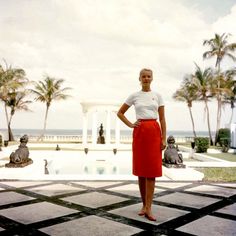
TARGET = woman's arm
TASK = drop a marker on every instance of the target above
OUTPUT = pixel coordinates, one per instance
(123, 118)
(161, 112)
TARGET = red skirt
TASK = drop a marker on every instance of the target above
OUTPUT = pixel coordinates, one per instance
(147, 154)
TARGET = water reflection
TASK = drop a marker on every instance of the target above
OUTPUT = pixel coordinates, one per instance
(92, 163)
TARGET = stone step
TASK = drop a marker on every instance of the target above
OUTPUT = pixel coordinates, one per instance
(185, 174)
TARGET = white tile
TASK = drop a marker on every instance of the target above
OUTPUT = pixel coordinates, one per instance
(36, 212)
(230, 209)
(188, 200)
(2, 189)
(232, 185)
(162, 213)
(20, 184)
(54, 189)
(130, 189)
(12, 197)
(171, 185)
(91, 225)
(210, 225)
(213, 190)
(94, 199)
(95, 184)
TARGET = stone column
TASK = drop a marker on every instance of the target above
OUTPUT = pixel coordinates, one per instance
(94, 128)
(117, 130)
(85, 127)
(108, 128)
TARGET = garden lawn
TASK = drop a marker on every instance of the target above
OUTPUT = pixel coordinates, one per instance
(219, 174)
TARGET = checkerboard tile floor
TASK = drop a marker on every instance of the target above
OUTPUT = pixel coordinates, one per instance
(111, 207)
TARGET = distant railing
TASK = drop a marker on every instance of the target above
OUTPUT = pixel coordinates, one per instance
(79, 138)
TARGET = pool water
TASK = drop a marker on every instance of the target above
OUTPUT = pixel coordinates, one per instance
(92, 163)
(96, 164)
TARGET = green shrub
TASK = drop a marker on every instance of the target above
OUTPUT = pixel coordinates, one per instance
(225, 144)
(224, 134)
(202, 144)
(0, 140)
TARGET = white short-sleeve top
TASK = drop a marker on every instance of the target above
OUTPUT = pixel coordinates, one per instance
(146, 104)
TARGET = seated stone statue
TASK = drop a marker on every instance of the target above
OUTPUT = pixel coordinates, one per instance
(21, 155)
(171, 155)
(101, 138)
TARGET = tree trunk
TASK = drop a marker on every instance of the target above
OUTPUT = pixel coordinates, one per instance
(191, 115)
(218, 106)
(218, 120)
(45, 124)
(10, 134)
(208, 123)
(232, 114)
(7, 119)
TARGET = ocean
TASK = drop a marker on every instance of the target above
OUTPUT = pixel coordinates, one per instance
(37, 132)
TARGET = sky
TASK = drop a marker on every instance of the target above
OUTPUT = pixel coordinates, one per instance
(99, 46)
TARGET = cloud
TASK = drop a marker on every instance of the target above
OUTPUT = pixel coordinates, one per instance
(99, 47)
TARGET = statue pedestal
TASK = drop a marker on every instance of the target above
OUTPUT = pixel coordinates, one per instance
(101, 140)
(174, 165)
(16, 165)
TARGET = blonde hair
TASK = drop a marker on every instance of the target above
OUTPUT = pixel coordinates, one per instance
(143, 70)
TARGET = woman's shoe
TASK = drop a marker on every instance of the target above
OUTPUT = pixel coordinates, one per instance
(151, 218)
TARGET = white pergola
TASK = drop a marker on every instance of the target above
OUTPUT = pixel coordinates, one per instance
(92, 108)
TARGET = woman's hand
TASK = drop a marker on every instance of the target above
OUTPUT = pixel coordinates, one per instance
(163, 144)
(135, 124)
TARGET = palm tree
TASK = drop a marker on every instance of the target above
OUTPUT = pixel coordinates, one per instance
(229, 95)
(48, 90)
(219, 48)
(16, 101)
(11, 79)
(232, 101)
(203, 82)
(187, 93)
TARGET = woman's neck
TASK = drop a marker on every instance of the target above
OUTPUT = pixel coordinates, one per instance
(146, 89)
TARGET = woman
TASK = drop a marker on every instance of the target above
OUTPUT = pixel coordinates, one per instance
(148, 138)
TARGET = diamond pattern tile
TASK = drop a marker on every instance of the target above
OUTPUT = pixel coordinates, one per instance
(55, 189)
(91, 225)
(123, 219)
(232, 185)
(230, 209)
(13, 197)
(96, 184)
(171, 185)
(20, 184)
(210, 225)
(188, 200)
(213, 190)
(130, 189)
(36, 212)
(162, 213)
(94, 199)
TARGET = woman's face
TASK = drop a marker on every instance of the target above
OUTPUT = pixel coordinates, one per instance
(146, 78)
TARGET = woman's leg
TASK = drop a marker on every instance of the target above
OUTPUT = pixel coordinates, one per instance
(142, 189)
(150, 185)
